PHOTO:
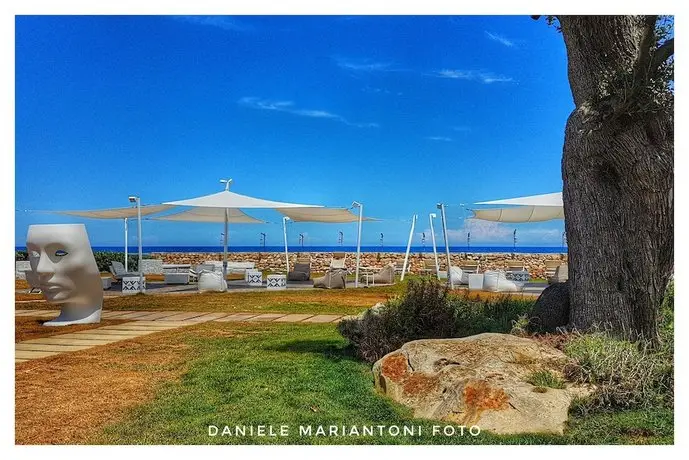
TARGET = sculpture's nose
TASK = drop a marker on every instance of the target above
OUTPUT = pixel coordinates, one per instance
(44, 267)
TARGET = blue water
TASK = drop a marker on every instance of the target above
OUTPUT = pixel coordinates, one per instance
(391, 249)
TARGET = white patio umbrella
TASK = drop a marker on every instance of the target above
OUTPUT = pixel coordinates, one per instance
(228, 201)
(535, 208)
(118, 213)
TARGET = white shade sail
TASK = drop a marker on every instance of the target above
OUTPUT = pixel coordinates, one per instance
(227, 199)
(323, 215)
(117, 213)
(536, 208)
(214, 215)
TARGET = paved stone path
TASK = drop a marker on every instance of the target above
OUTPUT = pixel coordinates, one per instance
(140, 324)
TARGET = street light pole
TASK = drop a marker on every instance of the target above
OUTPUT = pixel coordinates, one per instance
(137, 200)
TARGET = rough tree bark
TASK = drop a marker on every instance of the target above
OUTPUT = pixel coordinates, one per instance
(617, 169)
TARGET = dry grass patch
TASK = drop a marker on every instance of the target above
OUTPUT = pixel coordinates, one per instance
(66, 399)
(26, 328)
(298, 301)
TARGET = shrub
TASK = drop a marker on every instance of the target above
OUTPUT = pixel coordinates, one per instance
(495, 314)
(423, 312)
(427, 311)
(103, 259)
(545, 379)
(21, 255)
(625, 374)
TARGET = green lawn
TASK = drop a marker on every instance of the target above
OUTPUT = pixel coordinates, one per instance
(304, 375)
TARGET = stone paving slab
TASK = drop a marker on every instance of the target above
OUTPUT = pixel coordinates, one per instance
(322, 319)
(114, 314)
(126, 327)
(267, 317)
(293, 318)
(208, 317)
(35, 312)
(185, 315)
(157, 315)
(97, 336)
(238, 317)
(25, 354)
(136, 314)
(47, 347)
(59, 341)
(115, 332)
(160, 324)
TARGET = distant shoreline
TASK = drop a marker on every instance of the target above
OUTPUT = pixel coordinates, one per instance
(348, 249)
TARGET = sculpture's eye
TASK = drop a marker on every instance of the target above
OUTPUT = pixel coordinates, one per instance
(61, 252)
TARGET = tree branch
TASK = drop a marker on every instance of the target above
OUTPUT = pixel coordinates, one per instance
(643, 62)
(663, 53)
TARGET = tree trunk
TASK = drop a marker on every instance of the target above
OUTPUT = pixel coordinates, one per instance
(618, 186)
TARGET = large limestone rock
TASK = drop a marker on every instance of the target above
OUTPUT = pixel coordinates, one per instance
(478, 380)
(551, 309)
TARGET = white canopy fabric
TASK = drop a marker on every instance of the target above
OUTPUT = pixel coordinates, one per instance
(227, 199)
(536, 208)
(213, 215)
(117, 213)
(323, 215)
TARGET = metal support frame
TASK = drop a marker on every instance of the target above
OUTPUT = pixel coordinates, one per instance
(284, 232)
(441, 206)
(432, 216)
(406, 254)
(126, 243)
(358, 242)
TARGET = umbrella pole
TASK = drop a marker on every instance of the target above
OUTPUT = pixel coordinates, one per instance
(284, 232)
(447, 244)
(358, 243)
(406, 254)
(224, 255)
(126, 250)
(435, 251)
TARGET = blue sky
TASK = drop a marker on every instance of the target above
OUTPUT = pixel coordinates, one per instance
(397, 112)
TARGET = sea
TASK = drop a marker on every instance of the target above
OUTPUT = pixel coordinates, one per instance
(369, 249)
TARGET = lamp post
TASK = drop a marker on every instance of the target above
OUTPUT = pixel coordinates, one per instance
(432, 216)
(263, 240)
(137, 200)
(358, 242)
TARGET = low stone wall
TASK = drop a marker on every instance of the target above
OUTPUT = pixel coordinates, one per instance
(20, 266)
(320, 261)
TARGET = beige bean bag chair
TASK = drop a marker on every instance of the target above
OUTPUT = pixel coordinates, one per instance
(496, 281)
(211, 281)
(333, 279)
(457, 276)
(386, 275)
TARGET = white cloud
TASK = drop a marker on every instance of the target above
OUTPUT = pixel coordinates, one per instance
(439, 138)
(473, 75)
(288, 107)
(221, 22)
(364, 65)
(483, 231)
(500, 39)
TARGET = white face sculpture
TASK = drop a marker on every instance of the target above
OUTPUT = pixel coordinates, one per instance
(66, 271)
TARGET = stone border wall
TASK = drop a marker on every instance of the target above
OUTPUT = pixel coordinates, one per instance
(320, 261)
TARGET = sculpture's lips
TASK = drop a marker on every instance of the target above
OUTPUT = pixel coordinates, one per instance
(52, 287)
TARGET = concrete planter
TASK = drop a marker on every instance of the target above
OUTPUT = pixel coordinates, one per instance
(19, 267)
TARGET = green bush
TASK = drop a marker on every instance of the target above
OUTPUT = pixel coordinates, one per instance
(545, 379)
(21, 255)
(427, 311)
(491, 315)
(103, 259)
(423, 312)
(626, 375)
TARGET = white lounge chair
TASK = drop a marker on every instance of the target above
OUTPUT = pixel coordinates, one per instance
(118, 272)
(338, 261)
